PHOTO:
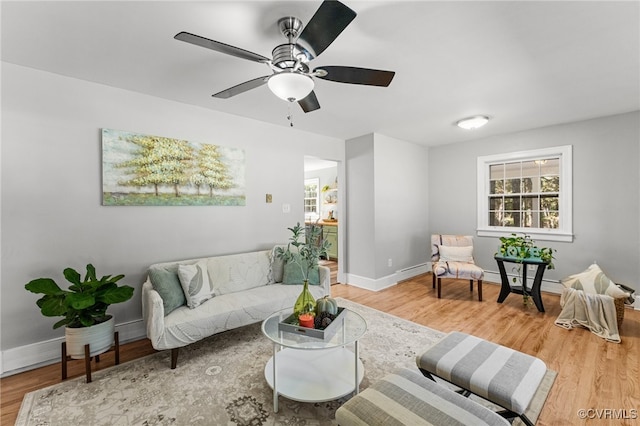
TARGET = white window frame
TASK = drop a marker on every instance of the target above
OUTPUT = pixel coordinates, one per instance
(312, 215)
(565, 199)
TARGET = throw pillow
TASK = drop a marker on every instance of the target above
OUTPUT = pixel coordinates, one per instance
(195, 283)
(276, 272)
(292, 274)
(456, 254)
(164, 280)
(594, 281)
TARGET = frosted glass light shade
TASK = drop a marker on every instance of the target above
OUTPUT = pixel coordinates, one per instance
(473, 122)
(290, 86)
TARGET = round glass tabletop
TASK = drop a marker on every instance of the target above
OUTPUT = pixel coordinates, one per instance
(351, 326)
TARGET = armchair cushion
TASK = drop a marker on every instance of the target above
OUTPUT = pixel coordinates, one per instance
(462, 270)
(456, 254)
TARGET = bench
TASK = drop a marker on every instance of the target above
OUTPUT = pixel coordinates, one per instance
(406, 397)
(501, 375)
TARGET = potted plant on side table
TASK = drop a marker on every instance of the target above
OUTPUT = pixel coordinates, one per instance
(519, 248)
(83, 307)
(307, 252)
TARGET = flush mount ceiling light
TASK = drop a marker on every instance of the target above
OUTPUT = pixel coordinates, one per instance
(290, 86)
(472, 123)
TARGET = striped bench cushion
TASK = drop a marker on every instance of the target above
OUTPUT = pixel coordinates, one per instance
(406, 397)
(499, 374)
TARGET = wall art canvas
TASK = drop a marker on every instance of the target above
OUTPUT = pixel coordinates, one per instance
(145, 170)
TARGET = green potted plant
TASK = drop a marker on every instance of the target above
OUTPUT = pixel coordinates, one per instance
(308, 250)
(83, 308)
(519, 248)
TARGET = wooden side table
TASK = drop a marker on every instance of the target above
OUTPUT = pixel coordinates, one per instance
(507, 288)
(87, 357)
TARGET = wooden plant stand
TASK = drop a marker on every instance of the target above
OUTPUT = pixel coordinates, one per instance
(87, 357)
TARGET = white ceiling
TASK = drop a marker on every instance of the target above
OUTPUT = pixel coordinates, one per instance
(525, 64)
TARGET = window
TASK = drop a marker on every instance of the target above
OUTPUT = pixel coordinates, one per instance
(527, 191)
(311, 198)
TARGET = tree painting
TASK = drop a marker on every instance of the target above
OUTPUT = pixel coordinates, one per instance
(155, 170)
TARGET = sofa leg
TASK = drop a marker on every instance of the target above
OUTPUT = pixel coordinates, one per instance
(174, 358)
(480, 290)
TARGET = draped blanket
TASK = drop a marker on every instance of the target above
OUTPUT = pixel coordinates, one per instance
(597, 312)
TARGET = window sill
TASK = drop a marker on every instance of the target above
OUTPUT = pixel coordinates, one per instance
(536, 234)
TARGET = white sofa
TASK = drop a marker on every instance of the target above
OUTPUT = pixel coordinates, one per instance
(247, 289)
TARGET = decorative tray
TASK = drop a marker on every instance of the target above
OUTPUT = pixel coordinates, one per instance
(291, 325)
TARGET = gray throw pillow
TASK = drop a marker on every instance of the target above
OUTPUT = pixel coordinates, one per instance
(164, 280)
(293, 274)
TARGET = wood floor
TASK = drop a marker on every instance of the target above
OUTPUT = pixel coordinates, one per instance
(592, 374)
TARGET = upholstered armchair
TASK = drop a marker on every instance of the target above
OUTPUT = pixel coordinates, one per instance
(452, 257)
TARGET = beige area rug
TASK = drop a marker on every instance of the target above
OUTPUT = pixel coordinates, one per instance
(220, 381)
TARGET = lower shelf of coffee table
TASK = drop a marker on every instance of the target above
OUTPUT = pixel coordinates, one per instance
(314, 375)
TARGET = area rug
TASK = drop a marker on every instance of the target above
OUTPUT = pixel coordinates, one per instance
(219, 381)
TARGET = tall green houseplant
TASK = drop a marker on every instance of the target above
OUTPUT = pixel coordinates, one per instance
(306, 252)
(85, 303)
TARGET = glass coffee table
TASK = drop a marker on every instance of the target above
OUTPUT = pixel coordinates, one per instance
(309, 369)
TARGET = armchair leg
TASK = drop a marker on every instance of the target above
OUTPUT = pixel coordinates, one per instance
(471, 285)
(433, 280)
(439, 287)
(480, 290)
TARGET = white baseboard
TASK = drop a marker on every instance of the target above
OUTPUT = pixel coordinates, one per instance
(28, 357)
(370, 283)
(388, 281)
(547, 285)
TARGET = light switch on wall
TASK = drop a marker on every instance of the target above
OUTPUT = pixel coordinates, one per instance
(286, 208)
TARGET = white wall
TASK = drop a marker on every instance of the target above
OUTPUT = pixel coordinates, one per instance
(52, 215)
(606, 205)
(387, 204)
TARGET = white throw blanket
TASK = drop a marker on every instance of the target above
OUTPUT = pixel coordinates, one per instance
(597, 312)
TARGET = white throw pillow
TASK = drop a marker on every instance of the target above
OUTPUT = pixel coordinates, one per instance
(456, 254)
(195, 283)
(594, 281)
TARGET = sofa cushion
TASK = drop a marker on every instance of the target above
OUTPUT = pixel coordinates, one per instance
(228, 311)
(164, 280)
(195, 283)
(276, 267)
(238, 272)
(293, 273)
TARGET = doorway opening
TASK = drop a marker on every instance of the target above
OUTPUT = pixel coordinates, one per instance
(321, 206)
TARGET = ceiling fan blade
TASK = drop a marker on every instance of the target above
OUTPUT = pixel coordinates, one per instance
(354, 75)
(309, 103)
(242, 87)
(331, 18)
(220, 47)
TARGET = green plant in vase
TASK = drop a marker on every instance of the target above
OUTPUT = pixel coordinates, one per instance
(519, 248)
(304, 250)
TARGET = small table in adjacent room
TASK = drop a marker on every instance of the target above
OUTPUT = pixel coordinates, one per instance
(310, 369)
(507, 288)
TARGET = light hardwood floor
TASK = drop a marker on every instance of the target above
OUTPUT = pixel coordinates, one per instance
(592, 374)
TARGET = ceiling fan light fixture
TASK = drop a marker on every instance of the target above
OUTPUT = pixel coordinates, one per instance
(290, 86)
(472, 123)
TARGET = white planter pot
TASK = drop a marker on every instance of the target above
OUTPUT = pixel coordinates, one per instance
(99, 337)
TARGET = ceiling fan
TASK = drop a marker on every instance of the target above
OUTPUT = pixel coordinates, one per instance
(291, 78)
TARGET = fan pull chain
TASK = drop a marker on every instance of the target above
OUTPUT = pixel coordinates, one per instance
(290, 115)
